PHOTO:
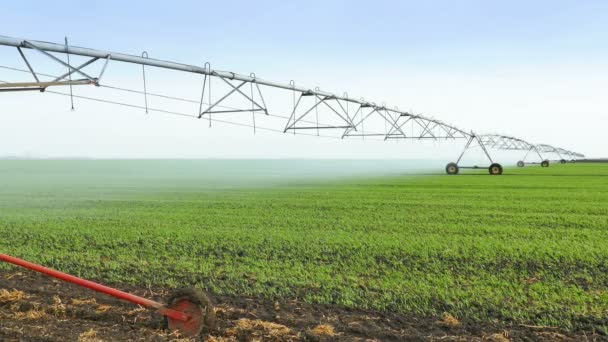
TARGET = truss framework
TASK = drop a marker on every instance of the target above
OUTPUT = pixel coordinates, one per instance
(329, 102)
(63, 80)
(504, 142)
(474, 141)
(350, 113)
(237, 83)
(563, 154)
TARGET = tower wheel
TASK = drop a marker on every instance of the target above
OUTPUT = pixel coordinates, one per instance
(520, 163)
(495, 169)
(197, 305)
(544, 163)
(452, 169)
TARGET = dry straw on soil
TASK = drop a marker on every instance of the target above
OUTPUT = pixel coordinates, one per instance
(258, 329)
(89, 336)
(450, 321)
(7, 296)
(324, 330)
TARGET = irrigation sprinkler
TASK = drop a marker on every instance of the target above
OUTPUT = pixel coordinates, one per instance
(311, 112)
(187, 311)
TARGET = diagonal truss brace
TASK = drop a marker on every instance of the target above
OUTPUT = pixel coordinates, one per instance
(384, 113)
(426, 126)
(256, 107)
(535, 149)
(391, 134)
(480, 143)
(363, 118)
(63, 80)
(72, 69)
(77, 69)
(29, 66)
(294, 119)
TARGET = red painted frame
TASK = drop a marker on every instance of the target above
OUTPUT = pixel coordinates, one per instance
(162, 309)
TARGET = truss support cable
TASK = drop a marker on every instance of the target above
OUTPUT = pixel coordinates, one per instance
(143, 74)
(200, 107)
(67, 51)
(103, 69)
(293, 84)
(317, 113)
(252, 105)
(209, 100)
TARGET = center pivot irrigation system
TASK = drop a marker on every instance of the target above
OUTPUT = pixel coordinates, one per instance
(309, 111)
(234, 97)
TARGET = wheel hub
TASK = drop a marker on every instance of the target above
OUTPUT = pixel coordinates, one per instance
(193, 326)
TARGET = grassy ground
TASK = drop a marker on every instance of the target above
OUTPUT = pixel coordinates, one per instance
(530, 246)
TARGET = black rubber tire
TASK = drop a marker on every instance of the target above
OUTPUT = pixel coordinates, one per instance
(520, 163)
(451, 169)
(563, 161)
(495, 169)
(544, 163)
(196, 296)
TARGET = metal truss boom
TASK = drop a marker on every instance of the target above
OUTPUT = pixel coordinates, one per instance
(47, 47)
(398, 124)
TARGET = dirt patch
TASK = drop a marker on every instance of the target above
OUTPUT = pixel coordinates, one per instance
(34, 307)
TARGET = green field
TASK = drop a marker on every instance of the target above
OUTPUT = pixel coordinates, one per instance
(530, 246)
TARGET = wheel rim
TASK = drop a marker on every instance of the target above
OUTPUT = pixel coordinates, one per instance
(191, 327)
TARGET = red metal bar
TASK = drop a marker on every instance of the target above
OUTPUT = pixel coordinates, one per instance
(97, 287)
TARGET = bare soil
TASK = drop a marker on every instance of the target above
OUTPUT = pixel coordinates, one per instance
(34, 307)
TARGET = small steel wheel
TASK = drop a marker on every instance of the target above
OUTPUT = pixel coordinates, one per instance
(197, 305)
(544, 163)
(451, 169)
(563, 161)
(495, 169)
(520, 163)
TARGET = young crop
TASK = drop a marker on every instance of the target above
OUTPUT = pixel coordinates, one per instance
(530, 246)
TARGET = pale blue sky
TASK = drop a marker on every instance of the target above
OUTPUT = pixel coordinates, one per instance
(432, 33)
(464, 61)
